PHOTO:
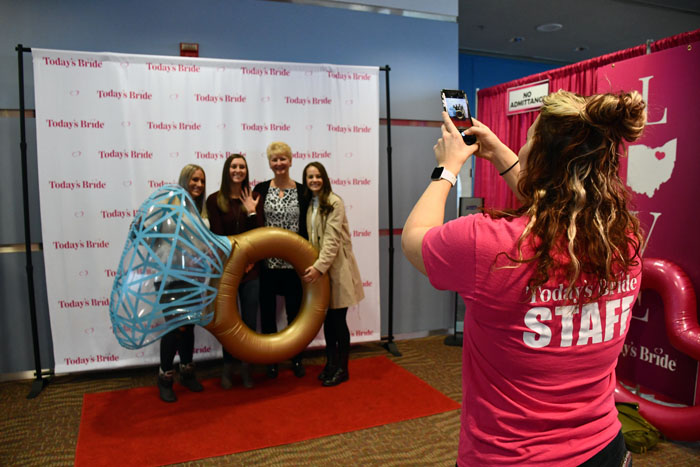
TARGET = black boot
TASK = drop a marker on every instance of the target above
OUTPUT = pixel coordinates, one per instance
(245, 375)
(272, 371)
(341, 373)
(331, 364)
(188, 378)
(165, 386)
(298, 367)
(226, 376)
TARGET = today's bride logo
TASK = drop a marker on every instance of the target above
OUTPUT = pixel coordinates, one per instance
(649, 168)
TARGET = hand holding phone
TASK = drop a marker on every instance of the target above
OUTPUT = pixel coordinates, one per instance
(455, 103)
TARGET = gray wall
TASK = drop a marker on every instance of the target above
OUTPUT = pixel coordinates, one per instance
(422, 54)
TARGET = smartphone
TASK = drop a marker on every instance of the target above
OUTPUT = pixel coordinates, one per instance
(455, 103)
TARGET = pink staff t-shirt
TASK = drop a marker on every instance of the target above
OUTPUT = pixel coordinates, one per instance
(538, 369)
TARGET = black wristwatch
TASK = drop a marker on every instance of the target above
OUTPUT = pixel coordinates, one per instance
(440, 173)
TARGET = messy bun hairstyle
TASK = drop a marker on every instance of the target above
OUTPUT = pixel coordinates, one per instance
(572, 193)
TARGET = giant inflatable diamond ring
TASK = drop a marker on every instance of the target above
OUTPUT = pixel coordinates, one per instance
(174, 272)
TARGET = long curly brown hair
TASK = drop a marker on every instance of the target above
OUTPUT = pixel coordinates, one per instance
(571, 191)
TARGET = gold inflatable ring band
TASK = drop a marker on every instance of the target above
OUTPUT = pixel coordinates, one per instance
(228, 327)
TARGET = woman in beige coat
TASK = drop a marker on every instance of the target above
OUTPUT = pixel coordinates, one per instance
(329, 232)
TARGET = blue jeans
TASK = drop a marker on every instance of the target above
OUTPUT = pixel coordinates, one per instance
(248, 297)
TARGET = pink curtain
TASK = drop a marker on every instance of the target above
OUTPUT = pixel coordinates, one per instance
(580, 78)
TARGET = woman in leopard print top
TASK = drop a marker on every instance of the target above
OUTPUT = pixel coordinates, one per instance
(284, 205)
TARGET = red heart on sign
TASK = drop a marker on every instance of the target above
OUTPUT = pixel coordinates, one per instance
(660, 155)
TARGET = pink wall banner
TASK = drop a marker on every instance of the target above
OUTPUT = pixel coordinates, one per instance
(113, 127)
(662, 171)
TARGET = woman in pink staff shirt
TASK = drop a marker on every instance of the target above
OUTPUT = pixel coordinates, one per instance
(548, 287)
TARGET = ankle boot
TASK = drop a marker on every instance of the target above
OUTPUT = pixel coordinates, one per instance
(226, 376)
(272, 371)
(245, 375)
(341, 373)
(298, 367)
(331, 364)
(188, 378)
(165, 386)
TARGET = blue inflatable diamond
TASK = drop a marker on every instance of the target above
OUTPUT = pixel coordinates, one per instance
(166, 272)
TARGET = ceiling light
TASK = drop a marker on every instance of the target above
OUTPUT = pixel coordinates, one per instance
(549, 27)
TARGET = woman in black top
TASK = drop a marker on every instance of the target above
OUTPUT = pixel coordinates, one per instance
(233, 210)
(284, 205)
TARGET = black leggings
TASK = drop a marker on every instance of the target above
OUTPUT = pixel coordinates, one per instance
(180, 340)
(335, 330)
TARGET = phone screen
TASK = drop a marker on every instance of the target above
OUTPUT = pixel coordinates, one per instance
(456, 105)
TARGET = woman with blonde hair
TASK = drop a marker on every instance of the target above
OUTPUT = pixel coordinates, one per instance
(548, 287)
(232, 210)
(192, 179)
(181, 340)
(284, 205)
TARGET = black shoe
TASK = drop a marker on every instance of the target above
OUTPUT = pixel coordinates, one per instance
(331, 364)
(245, 375)
(188, 378)
(326, 373)
(298, 369)
(340, 376)
(226, 379)
(165, 387)
(272, 371)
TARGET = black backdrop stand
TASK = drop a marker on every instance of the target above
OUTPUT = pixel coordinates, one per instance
(39, 382)
(389, 345)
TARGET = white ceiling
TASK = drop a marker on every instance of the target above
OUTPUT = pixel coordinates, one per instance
(486, 27)
(591, 28)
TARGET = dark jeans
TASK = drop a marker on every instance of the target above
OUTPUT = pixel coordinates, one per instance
(284, 282)
(275, 282)
(180, 340)
(611, 455)
(248, 298)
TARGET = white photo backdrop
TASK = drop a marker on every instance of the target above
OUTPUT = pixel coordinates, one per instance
(111, 128)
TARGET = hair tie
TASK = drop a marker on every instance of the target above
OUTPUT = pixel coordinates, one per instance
(508, 169)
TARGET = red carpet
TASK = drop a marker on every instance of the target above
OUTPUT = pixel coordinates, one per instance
(133, 427)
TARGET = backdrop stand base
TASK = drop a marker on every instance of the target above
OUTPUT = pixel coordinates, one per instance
(38, 385)
(392, 349)
(453, 340)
